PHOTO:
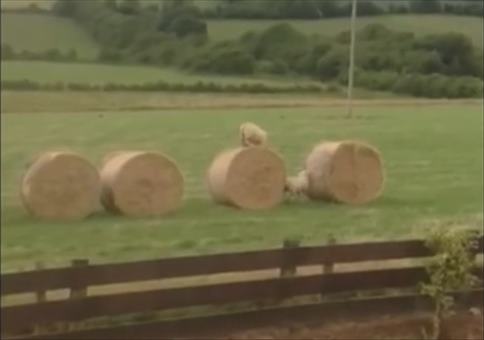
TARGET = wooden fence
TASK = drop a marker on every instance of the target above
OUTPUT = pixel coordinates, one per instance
(22, 319)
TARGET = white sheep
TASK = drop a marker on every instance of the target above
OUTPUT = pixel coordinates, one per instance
(297, 185)
(252, 135)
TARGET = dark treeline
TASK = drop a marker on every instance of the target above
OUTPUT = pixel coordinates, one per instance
(199, 87)
(316, 9)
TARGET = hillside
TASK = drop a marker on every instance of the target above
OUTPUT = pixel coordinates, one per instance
(61, 33)
(39, 32)
(419, 24)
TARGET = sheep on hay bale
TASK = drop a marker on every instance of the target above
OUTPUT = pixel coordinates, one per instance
(297, 186)
(140, 184)
(346, 172)
(60, 185)
(252, 135)
(247, 178)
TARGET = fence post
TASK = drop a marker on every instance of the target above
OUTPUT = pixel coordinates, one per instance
(40, 296)
(328, 266)
(288, 269)
(76, 292)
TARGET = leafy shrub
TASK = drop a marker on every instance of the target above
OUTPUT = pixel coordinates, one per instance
(224, 60)
(187, 25)
(333, 63)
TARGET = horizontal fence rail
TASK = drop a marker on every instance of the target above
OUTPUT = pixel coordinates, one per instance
(218, 326)
(89, 275)
(16, 319)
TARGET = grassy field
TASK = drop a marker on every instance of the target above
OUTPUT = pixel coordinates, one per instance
(38, 33)
(433, 159)
(419, 24)
(15, 4)
(51, 72)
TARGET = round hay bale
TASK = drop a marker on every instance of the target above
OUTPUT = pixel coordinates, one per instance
(139, 184)
(345, 172)
(247, 178)
(60, 186)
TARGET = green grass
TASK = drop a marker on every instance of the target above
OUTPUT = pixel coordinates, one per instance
(16, 4)
(433, 159)
(39, 32)
(49, 72)
(419, 24)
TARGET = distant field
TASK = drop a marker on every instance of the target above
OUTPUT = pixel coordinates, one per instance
(46, 72)
(433, 160)
(420, 24)
(14, 4)
(39, 32)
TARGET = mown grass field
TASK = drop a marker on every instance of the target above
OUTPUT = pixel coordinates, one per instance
(419, 24)
(86, 73)
(39, 32)
(433, 159)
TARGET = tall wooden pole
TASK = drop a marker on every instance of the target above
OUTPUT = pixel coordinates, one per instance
(352, 61)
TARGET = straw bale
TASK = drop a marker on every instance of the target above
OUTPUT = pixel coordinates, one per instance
(60, 186)
(141, 184)
(347, 172)
(247, 178)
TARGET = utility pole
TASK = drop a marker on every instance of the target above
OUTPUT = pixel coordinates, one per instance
(351, 70)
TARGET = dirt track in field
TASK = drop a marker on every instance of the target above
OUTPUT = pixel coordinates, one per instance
(74, 102)
(461, 327)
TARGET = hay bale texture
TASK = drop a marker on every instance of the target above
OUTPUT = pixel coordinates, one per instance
(247, 178)
(60, 186)
(139, 184)
(346, 172)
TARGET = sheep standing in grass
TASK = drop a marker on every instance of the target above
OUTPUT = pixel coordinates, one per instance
(252, 135)
(297, 185)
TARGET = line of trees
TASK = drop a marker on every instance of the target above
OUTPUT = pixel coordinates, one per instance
(316, 9)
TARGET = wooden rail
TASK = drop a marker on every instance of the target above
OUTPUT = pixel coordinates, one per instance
(15, 319)
(211, 264)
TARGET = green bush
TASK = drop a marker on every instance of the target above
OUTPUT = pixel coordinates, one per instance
(223, 58)
(439, 86)
(110, 55)
(186, 25)
(271, 67)
(280, 42)
(333, 63)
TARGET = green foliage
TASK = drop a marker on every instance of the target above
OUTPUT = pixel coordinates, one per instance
(449, 270)
(225, 58)
(456, 52)
(425, 6)
(110, 55)
(281, 42)
(199, 87)
(333, 63)
(185, 25)
(128, 7)
(65, 8)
